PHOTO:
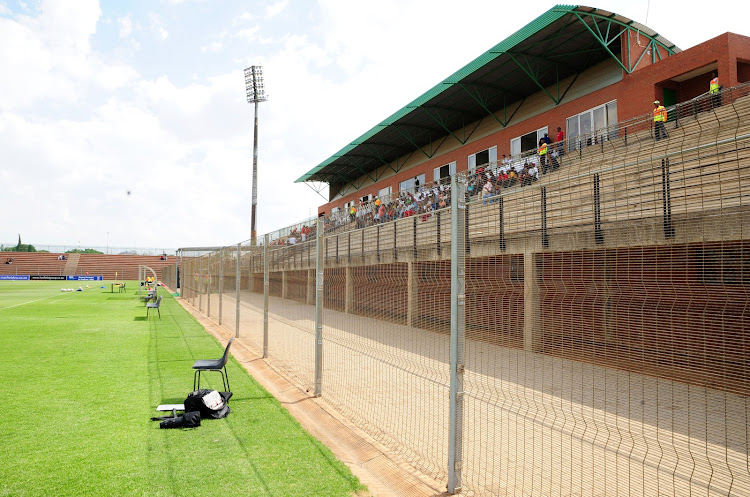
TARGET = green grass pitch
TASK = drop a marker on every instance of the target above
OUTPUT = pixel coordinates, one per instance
(82, 373)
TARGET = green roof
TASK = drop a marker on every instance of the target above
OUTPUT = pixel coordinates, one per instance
(561, 42)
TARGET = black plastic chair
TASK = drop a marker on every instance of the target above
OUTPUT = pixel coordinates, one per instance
(154, 306)
(213, 365)
(150, 295)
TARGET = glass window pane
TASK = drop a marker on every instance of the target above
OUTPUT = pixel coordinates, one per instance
(599, 120)
(585, 128)
(515, 146)
(612, 119)
(572, 132)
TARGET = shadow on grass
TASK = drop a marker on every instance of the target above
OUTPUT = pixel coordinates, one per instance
(140, 318)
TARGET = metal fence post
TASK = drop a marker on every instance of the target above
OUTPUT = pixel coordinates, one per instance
(200, 284)
(237, 293)
(458, 327)
(221, 281)
(319, 309)
(266, 287)
(208, 285)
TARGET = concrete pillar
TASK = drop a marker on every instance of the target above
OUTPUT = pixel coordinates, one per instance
(412, 295)
(310, 287)
(349, 298)
(532, 323)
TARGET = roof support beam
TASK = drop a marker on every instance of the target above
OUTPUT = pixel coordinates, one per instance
(378, 156)
(441, 122)
(603, 44)
(505, 111)
(411, 140)
(348, 157)
(483, 105)
(605, 41)
(533, 78)
(317, 189)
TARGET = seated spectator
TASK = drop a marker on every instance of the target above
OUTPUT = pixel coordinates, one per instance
(533, 172)
(554, 159)
(487, 191)
(512, 177)
(9, 260)
(524, 177)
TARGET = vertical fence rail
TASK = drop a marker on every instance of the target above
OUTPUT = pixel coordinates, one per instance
(237, 291)
(458, 326)
(266, 249)
(319, 288)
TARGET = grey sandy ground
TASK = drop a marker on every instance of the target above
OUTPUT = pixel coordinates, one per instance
(533, 424)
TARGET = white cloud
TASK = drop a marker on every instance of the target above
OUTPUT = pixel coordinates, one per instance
(126, 26)
(276, 8)
(244, 17)
(248, 33)
(214, 46)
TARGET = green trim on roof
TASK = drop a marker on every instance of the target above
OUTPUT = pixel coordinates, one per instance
(540, 22)
(543, 21)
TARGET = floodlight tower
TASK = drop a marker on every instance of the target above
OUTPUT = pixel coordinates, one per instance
(256, 93)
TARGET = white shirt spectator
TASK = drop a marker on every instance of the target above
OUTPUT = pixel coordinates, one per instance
(534, 171)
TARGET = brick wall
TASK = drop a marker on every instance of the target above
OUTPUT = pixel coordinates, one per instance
(677, 312)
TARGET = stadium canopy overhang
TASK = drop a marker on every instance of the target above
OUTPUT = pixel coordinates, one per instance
(557, 46)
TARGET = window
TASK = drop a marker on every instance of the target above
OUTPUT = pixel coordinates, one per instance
(591, 126)
(365, 199)
(529, 141)
(483, 158)
(409, 183)
(384, 192)
(445, 171)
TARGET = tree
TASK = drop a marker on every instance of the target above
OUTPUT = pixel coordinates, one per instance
(84, 251)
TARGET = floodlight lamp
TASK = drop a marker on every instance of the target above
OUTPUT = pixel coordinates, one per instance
(256, 91)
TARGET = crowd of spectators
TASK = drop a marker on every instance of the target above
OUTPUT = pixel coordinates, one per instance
(484, 183)
(422, 201)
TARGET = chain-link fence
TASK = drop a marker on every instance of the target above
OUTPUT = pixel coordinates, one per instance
(584, 332)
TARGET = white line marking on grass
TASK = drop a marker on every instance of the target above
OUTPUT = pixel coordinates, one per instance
(24, 303)
(58, 300)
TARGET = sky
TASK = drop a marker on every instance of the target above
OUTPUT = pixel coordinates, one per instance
(102, 98)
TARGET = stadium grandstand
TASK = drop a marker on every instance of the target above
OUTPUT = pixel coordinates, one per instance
(107, 266)
(510, 309)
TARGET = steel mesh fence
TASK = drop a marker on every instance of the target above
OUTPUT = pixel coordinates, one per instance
(578, 332)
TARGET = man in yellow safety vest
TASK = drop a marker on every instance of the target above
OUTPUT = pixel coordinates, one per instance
(660, 117)
(713, 90)
(542, 150)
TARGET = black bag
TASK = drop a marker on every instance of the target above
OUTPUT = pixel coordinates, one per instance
(210, 403)
(188, 420)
